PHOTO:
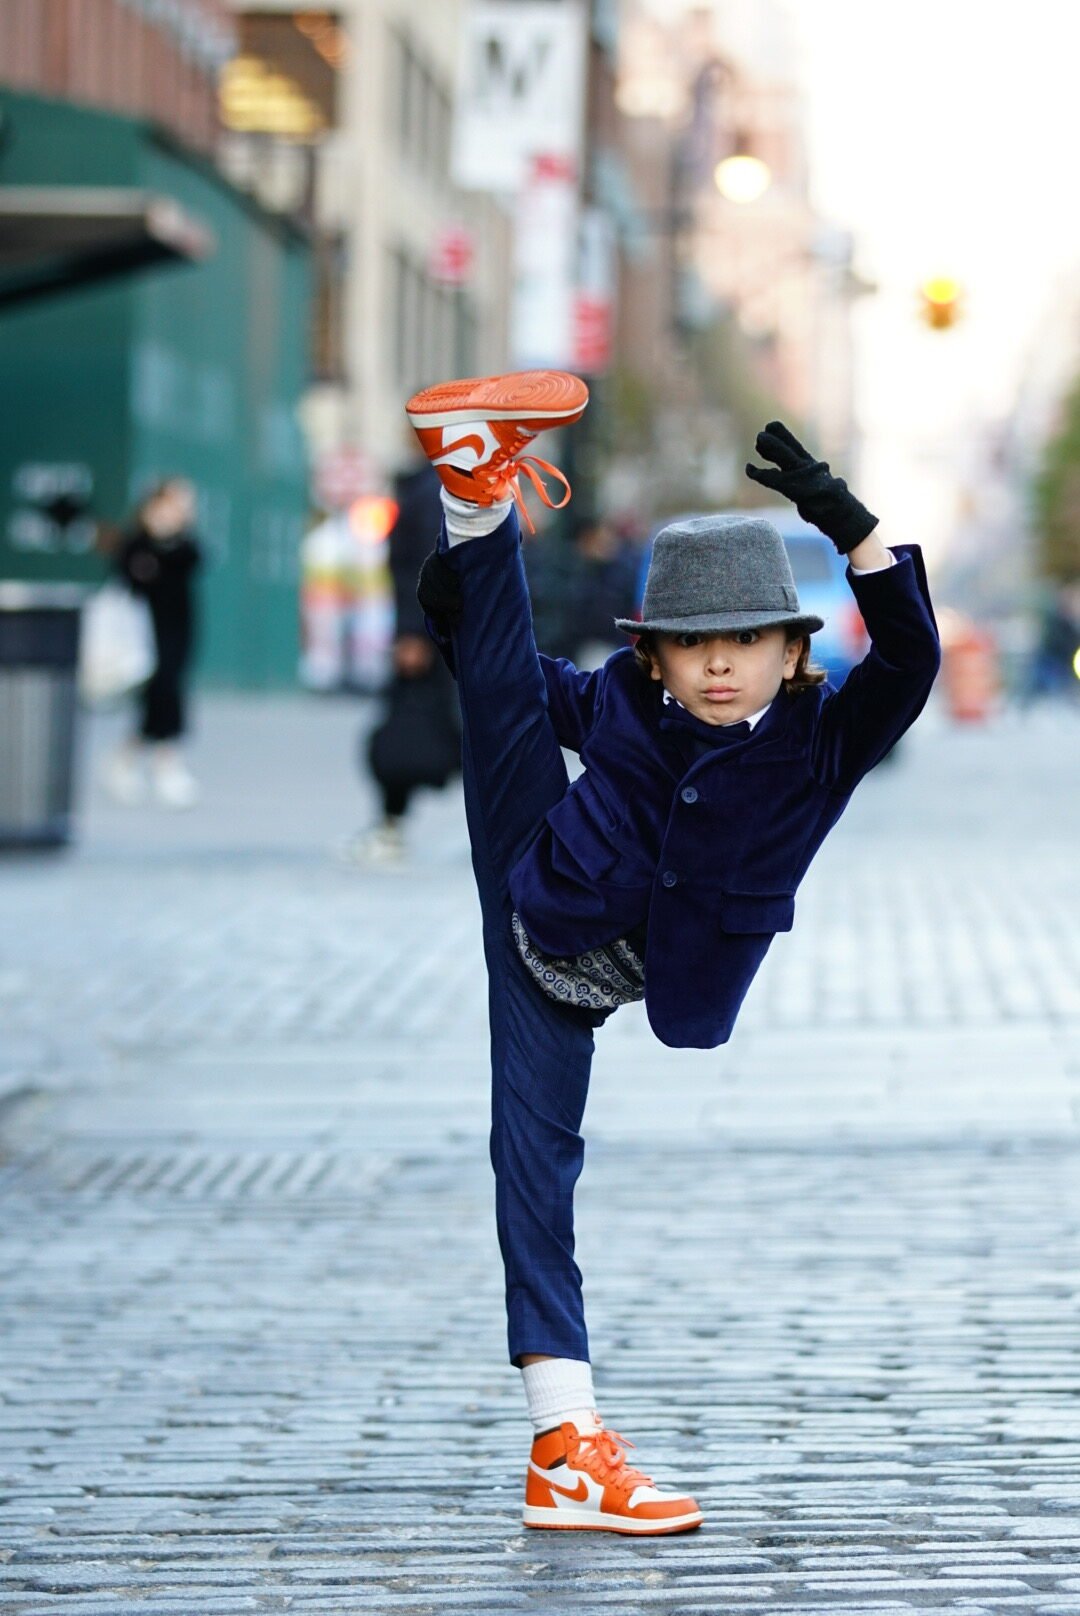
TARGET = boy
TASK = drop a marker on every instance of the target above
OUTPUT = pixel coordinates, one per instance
(716, 761)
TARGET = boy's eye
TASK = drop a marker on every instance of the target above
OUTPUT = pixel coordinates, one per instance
(687, 640)
(746, 636)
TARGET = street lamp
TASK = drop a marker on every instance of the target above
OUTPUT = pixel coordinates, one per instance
(742, 178)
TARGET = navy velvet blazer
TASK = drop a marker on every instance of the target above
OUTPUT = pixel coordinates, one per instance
(711, 841)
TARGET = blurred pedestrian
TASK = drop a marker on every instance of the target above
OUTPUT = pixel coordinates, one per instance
(602, 581)
(417, 742)
(158, 558)
(1053, 669)
(578, 588)
(716, 760)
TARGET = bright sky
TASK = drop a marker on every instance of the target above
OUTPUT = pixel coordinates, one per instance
(945, 135)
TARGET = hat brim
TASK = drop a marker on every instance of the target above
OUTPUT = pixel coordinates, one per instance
(721, 623)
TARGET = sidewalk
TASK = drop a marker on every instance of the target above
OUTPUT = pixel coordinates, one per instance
(251, 1335)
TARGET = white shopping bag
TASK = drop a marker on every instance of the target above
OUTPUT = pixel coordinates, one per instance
(117, 652)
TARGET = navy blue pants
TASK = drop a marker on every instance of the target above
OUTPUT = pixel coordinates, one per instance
(541, 1052)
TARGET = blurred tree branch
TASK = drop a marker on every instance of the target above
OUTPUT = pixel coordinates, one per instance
(1057, 496)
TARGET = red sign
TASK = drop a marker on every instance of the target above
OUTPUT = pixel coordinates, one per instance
(341, 476)
(452, 254)
(592, 333)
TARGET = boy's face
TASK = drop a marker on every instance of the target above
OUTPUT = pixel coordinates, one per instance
(724, 677)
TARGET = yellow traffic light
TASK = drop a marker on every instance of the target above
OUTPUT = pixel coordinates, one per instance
(940, 298)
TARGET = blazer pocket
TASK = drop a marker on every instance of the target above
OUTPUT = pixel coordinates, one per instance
(757, 911)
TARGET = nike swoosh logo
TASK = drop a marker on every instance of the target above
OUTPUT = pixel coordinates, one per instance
(466, 442)
(472, 449)
(577, 1496)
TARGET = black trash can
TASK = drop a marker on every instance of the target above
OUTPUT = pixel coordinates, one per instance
(39, 649)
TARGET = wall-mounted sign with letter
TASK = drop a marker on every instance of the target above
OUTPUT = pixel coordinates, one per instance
(521, 90)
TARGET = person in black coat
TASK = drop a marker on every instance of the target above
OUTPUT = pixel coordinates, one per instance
(158, 559)
(418, 740)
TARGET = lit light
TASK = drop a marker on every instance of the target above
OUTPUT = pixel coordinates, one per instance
(742, 178)
(941, 301)
(372, 516)
(1076, 662)
(255, 98)
(325, 36)
(941, 290)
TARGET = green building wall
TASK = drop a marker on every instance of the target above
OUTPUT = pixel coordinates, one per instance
(189, 369)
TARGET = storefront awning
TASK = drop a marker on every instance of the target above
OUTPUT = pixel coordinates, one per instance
(56, 238)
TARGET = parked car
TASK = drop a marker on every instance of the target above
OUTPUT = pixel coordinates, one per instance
(823, 589)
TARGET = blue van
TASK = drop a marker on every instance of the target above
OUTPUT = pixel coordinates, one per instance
(819, 578)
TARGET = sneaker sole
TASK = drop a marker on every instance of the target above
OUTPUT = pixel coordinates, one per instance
(560, 1519)
(543, 396)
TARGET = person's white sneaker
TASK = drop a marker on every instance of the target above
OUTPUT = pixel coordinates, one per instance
(382, 848)
(174, 784)
(125, 777)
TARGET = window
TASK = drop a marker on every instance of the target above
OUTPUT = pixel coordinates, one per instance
(421, 110)
(329, 263)
(432, 330)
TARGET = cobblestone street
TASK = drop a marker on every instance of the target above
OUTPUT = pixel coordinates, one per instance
(251, 1330)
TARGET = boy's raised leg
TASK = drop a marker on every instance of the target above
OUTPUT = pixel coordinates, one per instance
(513, 774)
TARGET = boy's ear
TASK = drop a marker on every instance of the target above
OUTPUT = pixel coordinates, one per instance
(792, 653)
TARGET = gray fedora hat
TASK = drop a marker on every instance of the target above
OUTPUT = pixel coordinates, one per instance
(712, 574)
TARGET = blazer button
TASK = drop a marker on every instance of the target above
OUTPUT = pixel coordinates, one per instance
(689, 794)
(669, 878)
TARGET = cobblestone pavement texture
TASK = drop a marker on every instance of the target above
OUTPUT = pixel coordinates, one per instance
(251, 1335)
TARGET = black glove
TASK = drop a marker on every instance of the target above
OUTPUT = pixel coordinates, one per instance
(439, 592)
(817, 495)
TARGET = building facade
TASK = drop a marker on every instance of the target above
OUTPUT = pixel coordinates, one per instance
(154, 319)
(732, 306)
(130, 56)
(415, 280)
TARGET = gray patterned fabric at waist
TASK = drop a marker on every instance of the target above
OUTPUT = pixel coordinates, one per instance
(601, 979)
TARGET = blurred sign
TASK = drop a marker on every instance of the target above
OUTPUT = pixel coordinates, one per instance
(346, 608)
(52, 510)
(521, 90)
(594, 304)
(592, 333)
(342, 476)
(452, 254)
(545, 267)
(284, 80)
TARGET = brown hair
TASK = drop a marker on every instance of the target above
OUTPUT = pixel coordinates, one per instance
(807, 674)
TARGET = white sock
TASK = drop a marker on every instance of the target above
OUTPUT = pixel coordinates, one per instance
(558, 1389)
(464, 520)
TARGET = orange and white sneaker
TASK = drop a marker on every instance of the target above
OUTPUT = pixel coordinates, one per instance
(583, 1482)
(474, 432)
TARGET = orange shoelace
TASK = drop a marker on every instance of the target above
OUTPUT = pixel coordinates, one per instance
(509, 471)
(603, 1458)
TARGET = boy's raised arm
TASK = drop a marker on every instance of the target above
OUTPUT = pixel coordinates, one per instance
(883, 696)
(870, 555)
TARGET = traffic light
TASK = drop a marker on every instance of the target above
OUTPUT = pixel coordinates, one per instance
(940, 298)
